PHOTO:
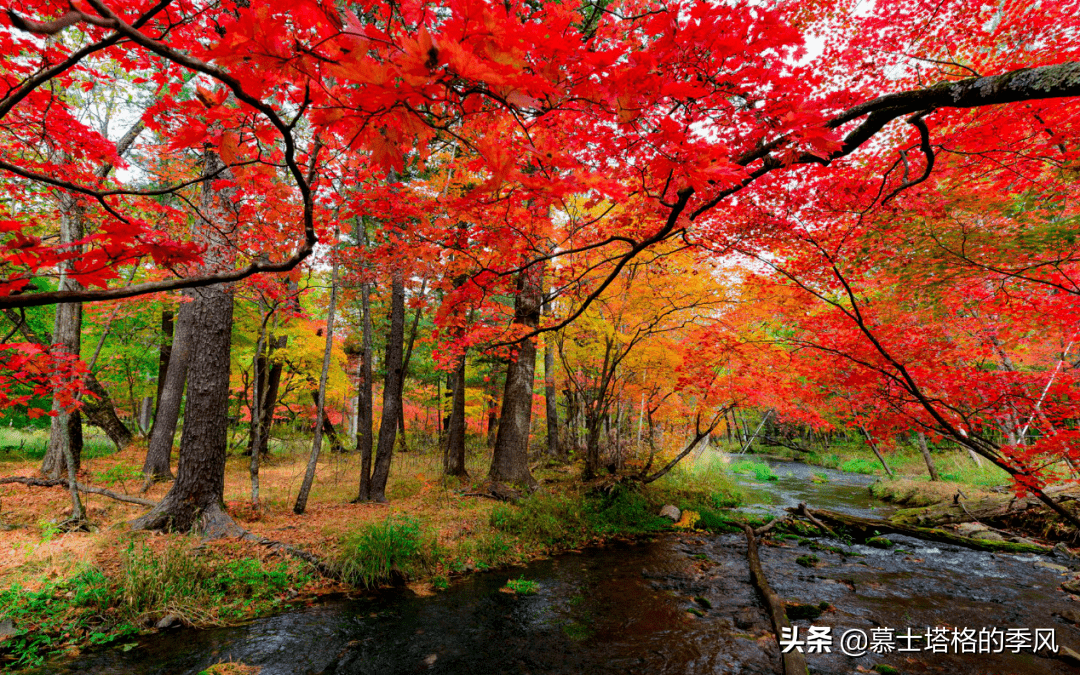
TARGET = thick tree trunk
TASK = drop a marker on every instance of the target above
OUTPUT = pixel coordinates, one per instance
(455, 437)
(65, 434)
(510, 460)
(921, 438)
(196, 499)
(159, 449)
(320, 400)
(391, 390)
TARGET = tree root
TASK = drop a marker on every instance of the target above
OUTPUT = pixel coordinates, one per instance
(63, 482)
(215, 523)
(794, 661)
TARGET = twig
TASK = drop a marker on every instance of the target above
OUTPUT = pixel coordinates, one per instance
(63, 482)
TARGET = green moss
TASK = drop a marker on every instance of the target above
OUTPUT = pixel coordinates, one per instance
(810, 560)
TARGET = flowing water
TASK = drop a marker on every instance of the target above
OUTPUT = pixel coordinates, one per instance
(675, 603)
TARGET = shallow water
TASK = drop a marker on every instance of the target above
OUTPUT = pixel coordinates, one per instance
(626, 608)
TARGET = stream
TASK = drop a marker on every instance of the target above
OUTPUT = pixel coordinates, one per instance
(673, 603)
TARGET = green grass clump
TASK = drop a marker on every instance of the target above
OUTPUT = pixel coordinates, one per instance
(376, 554)
(697, 483)
(523, 586)
(760, 470)
(860, 465)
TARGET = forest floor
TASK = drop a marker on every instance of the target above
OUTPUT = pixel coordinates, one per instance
(64, 591)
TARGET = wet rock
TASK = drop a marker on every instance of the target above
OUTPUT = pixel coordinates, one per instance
(1072, 586)
(168, 621)
(671, 512)
(1052, 566)
(1070, 615)
(430, 659)
(746, 618)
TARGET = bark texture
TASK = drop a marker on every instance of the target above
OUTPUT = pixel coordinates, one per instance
(159, 449)
(510, 460)
(196, 499)
(364, 417)
(391, 390)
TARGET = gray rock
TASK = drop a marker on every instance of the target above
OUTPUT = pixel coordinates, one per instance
(7, 628)
(168, 621)
(987, 535)
(1052, 566)
(970, 529)
(670, 512)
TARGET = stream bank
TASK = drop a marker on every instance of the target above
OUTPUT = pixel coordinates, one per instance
(671, 603)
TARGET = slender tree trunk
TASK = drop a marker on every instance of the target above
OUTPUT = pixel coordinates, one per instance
(492, 411)
(258, 402)
(391, 389)
(320, 407)
(510, 460)
(921, 438)
(873, 446)
(364, 417)
(550, 396)
(159, 449)
(196, 499)
(164, 354)
(455, 437)
(328, 428)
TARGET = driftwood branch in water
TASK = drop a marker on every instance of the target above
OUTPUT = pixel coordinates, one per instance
(794, 661)
(63, 482)
(865, 528)
(805, 513)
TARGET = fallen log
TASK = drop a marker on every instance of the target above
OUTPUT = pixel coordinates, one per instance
(962, 510)
(865, 528)
(63, 482)
(794, 661)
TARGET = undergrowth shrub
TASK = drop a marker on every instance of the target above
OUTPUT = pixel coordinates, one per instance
(378, 553)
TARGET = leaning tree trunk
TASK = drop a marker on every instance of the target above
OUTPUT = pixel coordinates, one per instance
(921, 438)
(391, 389)
(364, 417)
(159, 449)
(320, 400)
(196, 499)
(510, 460)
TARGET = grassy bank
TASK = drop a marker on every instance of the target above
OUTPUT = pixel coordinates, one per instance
(64, 592)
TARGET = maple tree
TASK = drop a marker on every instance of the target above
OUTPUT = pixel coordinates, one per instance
(713, 124)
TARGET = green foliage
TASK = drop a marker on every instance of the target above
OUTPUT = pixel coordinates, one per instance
(118, 474)
(91, 608)
(809, 560)
(523, 586)
(377, 553)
